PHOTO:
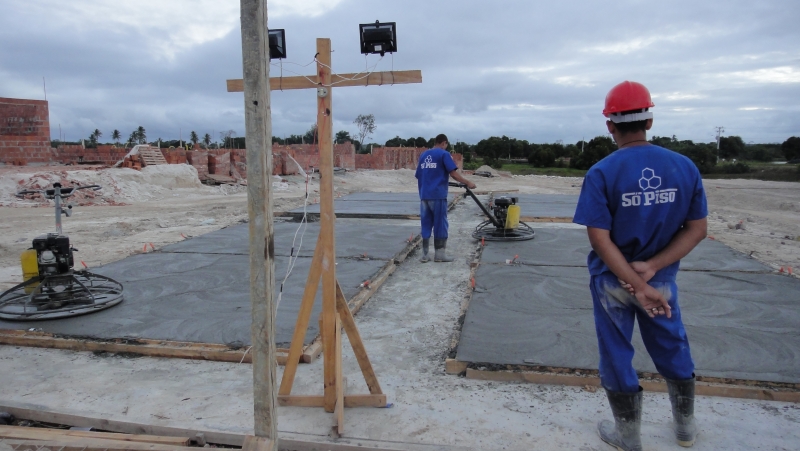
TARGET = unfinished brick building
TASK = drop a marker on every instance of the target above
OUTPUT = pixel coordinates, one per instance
(24, 131)
(25, 139)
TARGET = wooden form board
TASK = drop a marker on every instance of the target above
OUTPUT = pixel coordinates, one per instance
(38, 413)
(701, 388)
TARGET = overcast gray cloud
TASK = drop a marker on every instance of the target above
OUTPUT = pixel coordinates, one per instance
(527, 69)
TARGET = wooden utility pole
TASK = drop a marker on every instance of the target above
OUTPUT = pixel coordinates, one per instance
(258, 126)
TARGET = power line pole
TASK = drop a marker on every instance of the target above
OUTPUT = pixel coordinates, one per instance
(720, 130)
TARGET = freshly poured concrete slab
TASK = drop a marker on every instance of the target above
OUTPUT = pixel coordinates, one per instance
(740, 325)
(569, 247)
(374, 204)
(201, 298)
(354, 238)
(384, 197)
(538, 205)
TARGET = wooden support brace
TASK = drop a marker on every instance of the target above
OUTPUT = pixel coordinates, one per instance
(378, 400)
(397, 77)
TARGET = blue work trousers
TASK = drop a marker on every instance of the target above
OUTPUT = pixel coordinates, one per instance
(665, 338)
(433, 215)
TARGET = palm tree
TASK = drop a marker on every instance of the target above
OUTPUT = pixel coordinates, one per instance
(97, 134)
(193, 137)
(207, 140)
(141, 135)
(115, 135)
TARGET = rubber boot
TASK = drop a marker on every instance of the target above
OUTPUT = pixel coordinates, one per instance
(625, 432)
(681, 395)
(426, 244)
(439, 255)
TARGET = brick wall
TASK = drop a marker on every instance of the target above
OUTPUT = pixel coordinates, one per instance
(24, 131)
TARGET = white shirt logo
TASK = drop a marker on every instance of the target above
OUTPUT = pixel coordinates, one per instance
(651, 194)
(428, 163)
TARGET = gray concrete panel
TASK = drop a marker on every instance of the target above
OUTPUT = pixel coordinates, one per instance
(390, 204)
(740, 325)
(353, 238)
(569, 247)
(198, 298)
(536, 205)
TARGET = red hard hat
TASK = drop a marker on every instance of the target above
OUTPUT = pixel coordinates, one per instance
(627, 96)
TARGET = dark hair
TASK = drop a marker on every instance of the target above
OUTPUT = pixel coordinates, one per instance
(440, 138)
(631, 127)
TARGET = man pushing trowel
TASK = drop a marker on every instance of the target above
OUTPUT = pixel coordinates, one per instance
(434, 169)
(644, 209)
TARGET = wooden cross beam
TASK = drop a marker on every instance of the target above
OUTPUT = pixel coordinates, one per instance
(336, 313)
(398, 77)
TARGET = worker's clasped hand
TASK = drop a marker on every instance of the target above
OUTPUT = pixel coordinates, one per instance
(651, 300)
(471, 185)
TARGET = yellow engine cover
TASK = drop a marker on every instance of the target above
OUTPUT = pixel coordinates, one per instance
(30, 268)
(512, 217)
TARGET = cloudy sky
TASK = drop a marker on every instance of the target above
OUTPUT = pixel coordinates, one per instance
(527, 69)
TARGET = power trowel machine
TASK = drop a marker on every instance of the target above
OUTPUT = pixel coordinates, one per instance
(52, 289)
(503, 222)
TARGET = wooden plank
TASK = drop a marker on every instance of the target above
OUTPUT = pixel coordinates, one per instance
(23, 444)
(42, 414)
(27, 432)
(145, 347)
(370, 400)
(338, 409)
(397, 77)
(252, 443)
(453, 366)
(312, 351)
(356, 343)
(60, 437)
(545, 219)
(361, 298)
(701, 388)
(258, 132)
(327, 223)
(303, 317)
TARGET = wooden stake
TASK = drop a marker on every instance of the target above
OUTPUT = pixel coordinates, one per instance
(258, 126)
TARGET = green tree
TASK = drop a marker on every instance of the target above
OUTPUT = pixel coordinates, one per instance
(366, 127)
(207, 140)
(116, 136)
(311, 135)
(342, 136)
(193, 137)
(141, 135)
(731, 147)
(492, 149)
(394, 142)
(791, 148)
(594, 151)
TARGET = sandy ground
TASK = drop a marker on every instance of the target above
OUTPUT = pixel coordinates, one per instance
(407, 326)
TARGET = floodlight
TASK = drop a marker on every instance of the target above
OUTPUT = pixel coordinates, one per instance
(378, 37)
(277, 44)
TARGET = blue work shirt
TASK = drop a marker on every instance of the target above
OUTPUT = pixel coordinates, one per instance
(433, 173)
(643, 195)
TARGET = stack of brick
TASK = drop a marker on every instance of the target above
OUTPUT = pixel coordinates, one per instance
(199, 160)
(220, 164)
(133, 162)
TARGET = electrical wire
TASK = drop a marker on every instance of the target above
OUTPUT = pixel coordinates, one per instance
(368, 70)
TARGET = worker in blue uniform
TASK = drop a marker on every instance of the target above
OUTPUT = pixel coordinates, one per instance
(434, 169)
(644, 208)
